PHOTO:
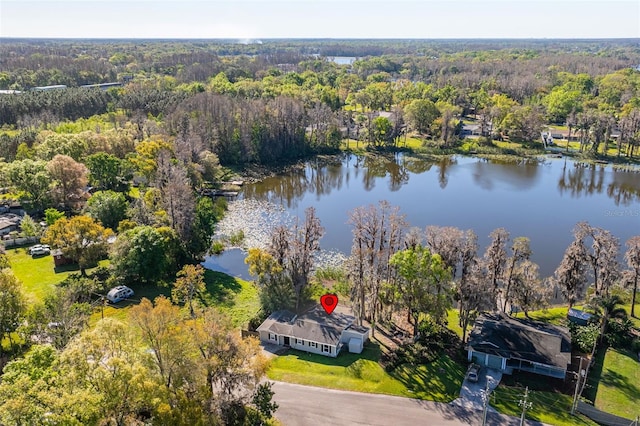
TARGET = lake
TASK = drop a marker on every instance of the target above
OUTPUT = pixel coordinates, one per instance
(542, 201)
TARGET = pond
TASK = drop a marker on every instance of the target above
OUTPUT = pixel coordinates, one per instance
(542, 201)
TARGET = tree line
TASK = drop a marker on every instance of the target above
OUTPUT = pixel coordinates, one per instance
(308, 104)
(394, 269)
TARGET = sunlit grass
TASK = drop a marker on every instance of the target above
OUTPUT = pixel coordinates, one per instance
(619, 385)
(437, 381)
(37, 274)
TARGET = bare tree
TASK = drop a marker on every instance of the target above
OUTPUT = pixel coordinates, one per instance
(305, 244)
(378, 233)
(603, 256)
(632, 257)
(495, 260)
(70, 179)
(474, 295)
(530, 292)
(571, 274)
(520, 252)
(293, 252)
(177, 195)
(446, 241)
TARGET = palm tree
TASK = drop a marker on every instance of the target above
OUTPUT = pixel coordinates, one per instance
(606, 308)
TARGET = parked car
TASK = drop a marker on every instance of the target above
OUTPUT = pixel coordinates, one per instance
(39, 250)
(119, 293)
(473, 373)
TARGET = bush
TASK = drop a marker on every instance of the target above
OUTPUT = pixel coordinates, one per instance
(618, 333)
(217, 247)
(584, 337)
(237, 238)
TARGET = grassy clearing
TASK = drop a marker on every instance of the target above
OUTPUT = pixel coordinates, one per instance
(547, 407)
(437, 381)
(618, 390)
(236, 298)
(38, 275)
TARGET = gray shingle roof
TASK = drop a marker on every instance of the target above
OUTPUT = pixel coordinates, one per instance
(533, 341)
(314, 325)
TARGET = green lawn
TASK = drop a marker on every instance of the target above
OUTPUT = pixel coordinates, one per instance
(619, 387)
(556, 315)
(37, 275)
(547, 407)
(232, 296)
(235, 297)
(437, 381)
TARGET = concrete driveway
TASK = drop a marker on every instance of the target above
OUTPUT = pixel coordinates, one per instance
(471, 393)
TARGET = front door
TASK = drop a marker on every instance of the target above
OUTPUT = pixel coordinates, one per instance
(286, 340)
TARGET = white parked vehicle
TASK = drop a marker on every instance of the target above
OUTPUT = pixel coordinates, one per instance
(119, 293)
(39, 250)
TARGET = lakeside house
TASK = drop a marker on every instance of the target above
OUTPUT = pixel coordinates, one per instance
(510, 344)
(314, 331)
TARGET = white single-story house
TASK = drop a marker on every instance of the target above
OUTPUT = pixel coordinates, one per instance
(510, 344)
(314, 331)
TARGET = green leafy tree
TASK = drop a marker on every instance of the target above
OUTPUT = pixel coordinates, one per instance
(29, 227)
(382, 131)
(107, 172)
(81, 239)
(58, 319)
(108, 207)
(276, 287)
(31, 178)
(426, 284)
(145, 255)
(421, 114)
(52, 215)
(560, 102)
(189, 285)
(121, 379)
(12, 305)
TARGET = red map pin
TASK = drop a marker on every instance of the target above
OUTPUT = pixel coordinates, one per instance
(329, 302)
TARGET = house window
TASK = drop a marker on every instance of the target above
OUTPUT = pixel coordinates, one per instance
(300, 342)
(326, 348)
(313, 345)
(273, 337)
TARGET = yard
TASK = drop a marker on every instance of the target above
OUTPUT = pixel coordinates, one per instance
(232, 296)
(618, 390)
(235, 297)
(38, 275)
(547, 407)
(437, 381)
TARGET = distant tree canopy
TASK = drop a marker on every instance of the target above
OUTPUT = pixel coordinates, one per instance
(281, 103)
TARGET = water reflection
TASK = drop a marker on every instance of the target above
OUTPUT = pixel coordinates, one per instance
(490, 174)
(581, 179)
(540, 200)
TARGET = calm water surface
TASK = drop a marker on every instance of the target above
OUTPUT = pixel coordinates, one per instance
(540, 201)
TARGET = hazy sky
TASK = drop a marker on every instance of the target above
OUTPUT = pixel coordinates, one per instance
(320, 19)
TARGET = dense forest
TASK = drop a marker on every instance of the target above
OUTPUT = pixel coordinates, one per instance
(275, 100)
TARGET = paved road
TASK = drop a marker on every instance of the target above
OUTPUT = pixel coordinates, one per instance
(310, 406)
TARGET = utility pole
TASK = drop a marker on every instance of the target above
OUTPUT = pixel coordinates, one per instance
(525, 405)
(575, 394)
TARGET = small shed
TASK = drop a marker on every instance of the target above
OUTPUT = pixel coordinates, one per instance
(578, 316)
(59, 259)
(355, 336)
